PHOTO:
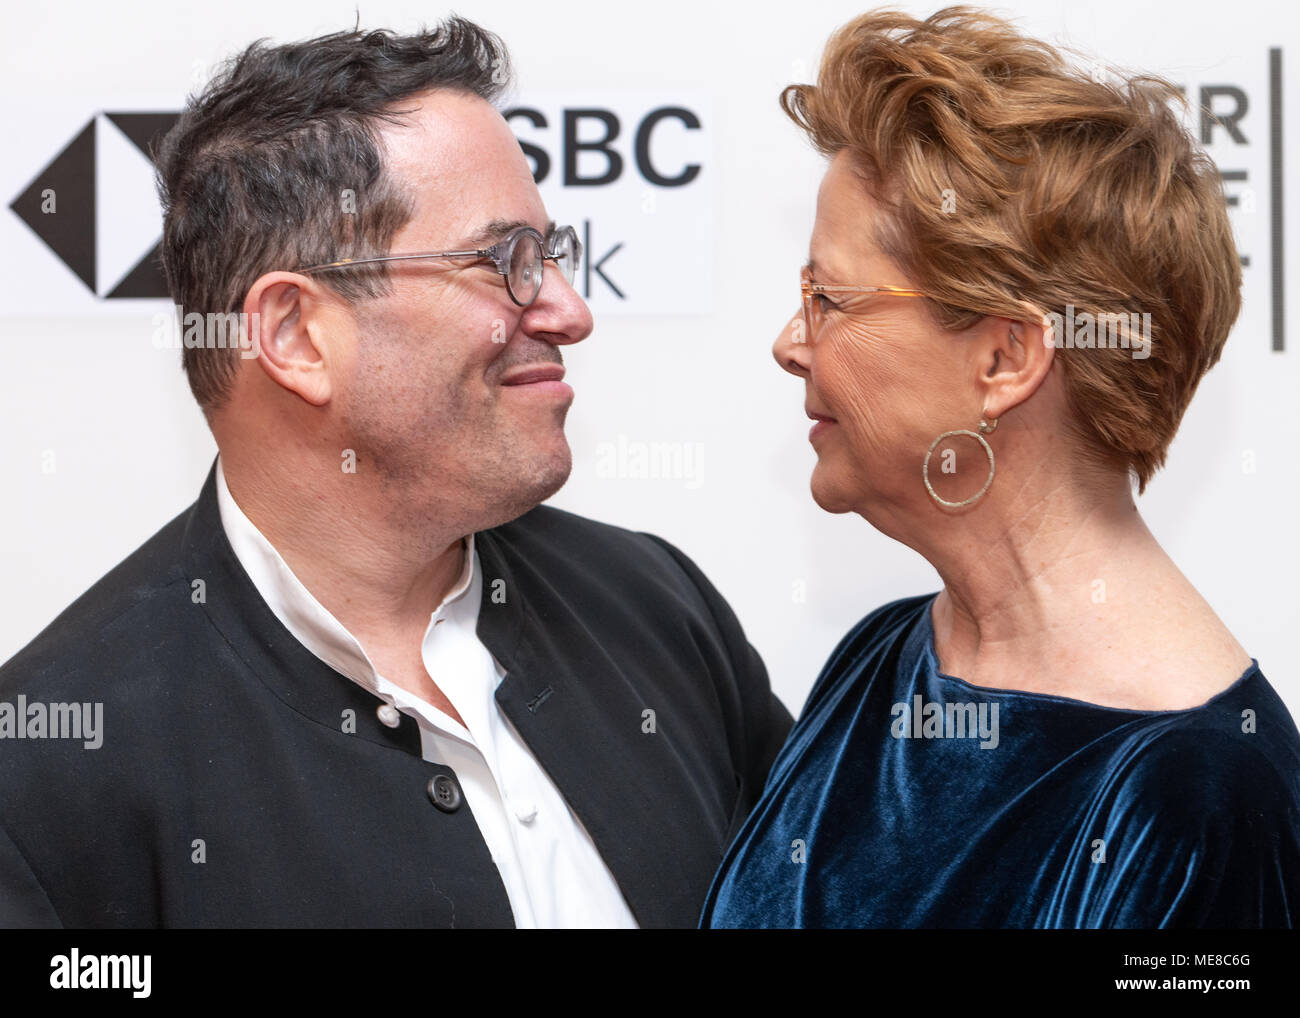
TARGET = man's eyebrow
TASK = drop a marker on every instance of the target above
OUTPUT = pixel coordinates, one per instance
(496, 229)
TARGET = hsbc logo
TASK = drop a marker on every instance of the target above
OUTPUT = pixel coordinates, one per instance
(61, 205)
(630, 173)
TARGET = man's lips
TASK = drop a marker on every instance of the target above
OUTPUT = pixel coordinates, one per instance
(545, 380)
(535, 373)
(815, 416)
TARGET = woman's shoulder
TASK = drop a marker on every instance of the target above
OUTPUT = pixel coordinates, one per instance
(879, 632)
(1237, 754)
(891, 621)
(1196, 817)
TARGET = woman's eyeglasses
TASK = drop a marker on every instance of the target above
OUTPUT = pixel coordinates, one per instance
(812, 311)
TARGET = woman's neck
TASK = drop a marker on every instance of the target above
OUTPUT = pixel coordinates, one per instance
(1066, 591)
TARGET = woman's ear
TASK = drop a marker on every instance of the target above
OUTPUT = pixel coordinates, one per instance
(1013, 358)
(285, 312)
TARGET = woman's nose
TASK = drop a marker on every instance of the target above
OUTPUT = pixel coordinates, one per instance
(791, 347)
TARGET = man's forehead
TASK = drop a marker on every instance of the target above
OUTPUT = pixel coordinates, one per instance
(462, 167)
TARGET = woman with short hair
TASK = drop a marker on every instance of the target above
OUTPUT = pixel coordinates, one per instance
(1018, 275)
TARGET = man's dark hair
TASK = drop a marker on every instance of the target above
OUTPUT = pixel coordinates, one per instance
(255, 175)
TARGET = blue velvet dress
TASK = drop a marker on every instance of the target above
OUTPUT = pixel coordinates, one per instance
(908, 798)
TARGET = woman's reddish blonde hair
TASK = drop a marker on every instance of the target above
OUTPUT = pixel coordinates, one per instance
(1062, 189)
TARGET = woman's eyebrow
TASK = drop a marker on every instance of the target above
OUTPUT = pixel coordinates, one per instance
(812, 273)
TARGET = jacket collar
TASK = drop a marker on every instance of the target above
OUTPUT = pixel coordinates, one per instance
(311, 623)
(221, 588)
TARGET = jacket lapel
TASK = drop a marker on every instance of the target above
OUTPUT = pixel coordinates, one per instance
(580, 717)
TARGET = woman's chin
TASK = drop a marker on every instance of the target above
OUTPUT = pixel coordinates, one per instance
(829, 494)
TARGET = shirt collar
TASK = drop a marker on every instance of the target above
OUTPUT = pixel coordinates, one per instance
(310, 622)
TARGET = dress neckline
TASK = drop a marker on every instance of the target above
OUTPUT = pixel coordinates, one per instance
(926, 634)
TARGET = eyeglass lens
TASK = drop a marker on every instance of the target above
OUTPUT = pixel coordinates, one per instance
(526, 263)
(811, 310)
(525, 276)
(564, 250)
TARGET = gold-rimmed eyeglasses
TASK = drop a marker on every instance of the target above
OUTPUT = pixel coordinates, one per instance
(810, 291)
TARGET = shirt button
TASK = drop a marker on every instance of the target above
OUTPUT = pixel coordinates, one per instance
(526, 814)
(444, 793)
(389, 715)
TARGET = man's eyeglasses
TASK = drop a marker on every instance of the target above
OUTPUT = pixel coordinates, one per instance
(812, 310)
(519, 257)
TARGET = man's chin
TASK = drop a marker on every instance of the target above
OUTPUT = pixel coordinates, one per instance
(561, 466)
(533, 487)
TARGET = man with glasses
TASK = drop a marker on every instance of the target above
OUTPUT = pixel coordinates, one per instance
(367, 679)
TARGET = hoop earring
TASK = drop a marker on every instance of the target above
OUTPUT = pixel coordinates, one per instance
(986, 428)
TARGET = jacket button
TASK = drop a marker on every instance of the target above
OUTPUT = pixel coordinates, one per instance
(389, 715)
(444, 793)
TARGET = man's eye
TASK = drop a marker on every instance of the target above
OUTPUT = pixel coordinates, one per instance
(825, 302)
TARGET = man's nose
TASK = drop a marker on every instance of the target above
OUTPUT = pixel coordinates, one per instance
(558, 315)
(791, 347)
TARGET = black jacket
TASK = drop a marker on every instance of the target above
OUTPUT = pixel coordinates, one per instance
(227, 793)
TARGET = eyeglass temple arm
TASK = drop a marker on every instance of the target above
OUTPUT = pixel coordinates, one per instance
(348, 262)
(898, 290)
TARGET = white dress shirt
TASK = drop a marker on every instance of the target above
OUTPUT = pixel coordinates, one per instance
(553, 875)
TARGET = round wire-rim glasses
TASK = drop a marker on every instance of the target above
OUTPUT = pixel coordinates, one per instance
(519, 257)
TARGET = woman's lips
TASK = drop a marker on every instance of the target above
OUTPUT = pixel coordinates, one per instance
(823, 423)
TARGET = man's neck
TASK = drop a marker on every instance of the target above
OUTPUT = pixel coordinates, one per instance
(375, 571)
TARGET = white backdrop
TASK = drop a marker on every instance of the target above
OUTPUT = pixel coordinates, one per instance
(81, 381)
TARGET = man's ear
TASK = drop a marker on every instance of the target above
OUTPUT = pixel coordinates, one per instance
(287, 314)
(1013, 359)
